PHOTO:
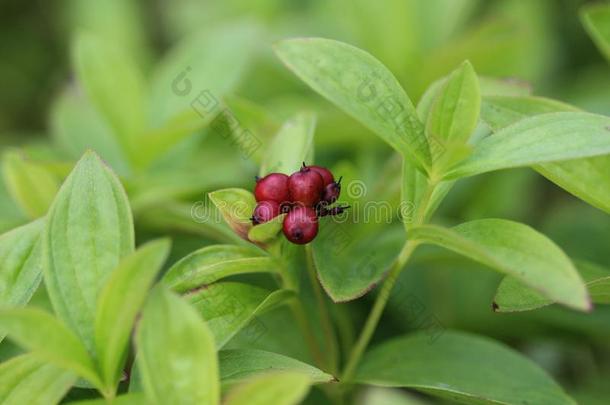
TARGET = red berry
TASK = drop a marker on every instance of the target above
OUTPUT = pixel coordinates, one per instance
(331, 192)
(327, 176)
(306, 187)
(273, 187)
(265, 211)
(301, 225)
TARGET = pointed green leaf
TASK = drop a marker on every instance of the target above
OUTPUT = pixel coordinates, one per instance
(455, 111)
(26, 379)
(21, 272)
(114, 85)
(42, 334)
(228, 307)
(89, 229)
(513, 296)
(32, 186)
(596, 19)
(239, 364)
(278, 388)
(361, 86)
(585, 178)
(176, 354)
(514, 249)
(236, 206)
(212, 263)
(542, 138)
(119, 303)
(267, 231)
(292, 146)
(445, 369)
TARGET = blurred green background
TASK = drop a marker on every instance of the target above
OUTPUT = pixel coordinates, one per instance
(46, 121)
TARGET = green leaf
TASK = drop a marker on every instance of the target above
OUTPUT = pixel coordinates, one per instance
(236, 206)
(540, 139)
(211, 61)
(114, 85)
(133, 398)
(361, 86)
(514, 249)
(278, 388)
(20, 273)
(455, 111)
(585, 178)
(596, 20)
(51, 341)
(76, 127)
(350, 263)
(445, 369)
(30, 185)
(89, 229)
(27, 379)
(176, 355)
(239, 364)
(292, 146)
(513, 296)
(119, 303)
(228, 307)
(212, 263)
(266, 232)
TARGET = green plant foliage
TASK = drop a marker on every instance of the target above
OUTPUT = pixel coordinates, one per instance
(444, 368)
(186, 370)
(596, 19)
(282, 388)
(88, 230)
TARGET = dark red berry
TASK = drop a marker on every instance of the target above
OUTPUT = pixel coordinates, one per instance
(265, 211)
(327, 176)
(273, 187)
(331, 192)
(306, 187)
(301, 225)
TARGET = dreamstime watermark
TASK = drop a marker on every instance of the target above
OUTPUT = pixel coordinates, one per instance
(361, 210)
(222, 120)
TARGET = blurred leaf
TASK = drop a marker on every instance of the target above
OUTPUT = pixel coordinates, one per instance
(361, 86)
(21, 271)
(267, 231)
(212, 263)
(31, 185)
(236, 206)
(28, 380)
(443, 368)
(114, 85)
(89, 229)
(134, 398)
(512, 295)
(176, 353)
(239, 364)
(51, 341)
(596, 19)
(388, 396)
(292, 146)
(514, 249)
(211, 61)
(349, 264)
(455, 111)
(118, 305)
(279, 388)
(228, 307)
(538, 139)
(77, 126)
(585, 178)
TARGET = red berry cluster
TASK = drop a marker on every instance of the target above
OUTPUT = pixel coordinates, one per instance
(305, 195)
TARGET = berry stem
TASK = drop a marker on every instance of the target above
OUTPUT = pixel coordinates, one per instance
(325, 319)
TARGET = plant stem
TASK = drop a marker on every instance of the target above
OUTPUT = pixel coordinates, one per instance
(378, 307)
(325, 319)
